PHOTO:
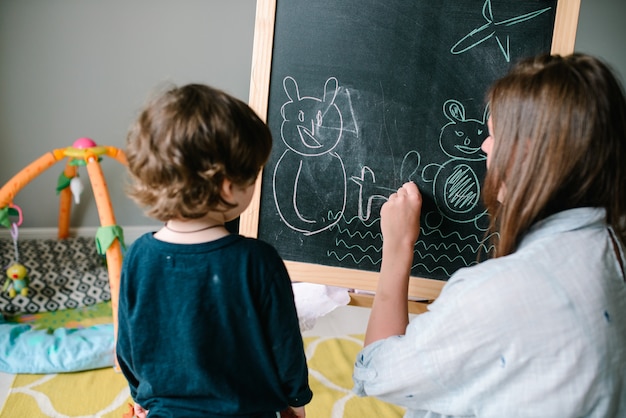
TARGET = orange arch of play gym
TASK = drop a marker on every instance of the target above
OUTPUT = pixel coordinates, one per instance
(83, 152)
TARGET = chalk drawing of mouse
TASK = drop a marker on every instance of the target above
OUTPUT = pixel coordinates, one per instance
(455, 183)
(309, 179)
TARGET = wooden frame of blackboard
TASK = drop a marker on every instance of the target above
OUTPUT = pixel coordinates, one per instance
(423, 289)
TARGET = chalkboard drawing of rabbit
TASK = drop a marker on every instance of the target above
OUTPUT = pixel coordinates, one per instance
(455, 184)
(309, 180)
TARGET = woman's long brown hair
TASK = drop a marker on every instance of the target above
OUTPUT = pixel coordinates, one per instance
(559, 129)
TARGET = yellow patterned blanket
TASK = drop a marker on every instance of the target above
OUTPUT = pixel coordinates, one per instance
(103, 393)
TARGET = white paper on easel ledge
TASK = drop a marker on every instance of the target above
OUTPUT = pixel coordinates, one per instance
(316, 300)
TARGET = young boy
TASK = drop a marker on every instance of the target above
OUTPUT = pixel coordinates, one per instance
(207, 320)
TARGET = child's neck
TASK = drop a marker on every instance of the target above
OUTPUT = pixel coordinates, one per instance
(191, 231)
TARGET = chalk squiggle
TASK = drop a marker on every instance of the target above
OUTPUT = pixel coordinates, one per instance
(458, 234)
(362, 235)
(436, 259)
(423, 232)
(353, 257)
(446, 247)
(342, 242)
(357, 219)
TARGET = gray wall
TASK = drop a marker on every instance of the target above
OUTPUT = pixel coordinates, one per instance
(74, 68)
(602, 32)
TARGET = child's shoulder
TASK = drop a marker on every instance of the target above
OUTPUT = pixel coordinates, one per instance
(233, 242)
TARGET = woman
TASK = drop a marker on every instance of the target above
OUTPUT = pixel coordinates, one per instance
(540, 329)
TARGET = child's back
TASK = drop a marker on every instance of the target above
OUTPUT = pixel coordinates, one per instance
(207, 320)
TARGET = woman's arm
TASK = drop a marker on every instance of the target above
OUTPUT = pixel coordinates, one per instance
(400, 224)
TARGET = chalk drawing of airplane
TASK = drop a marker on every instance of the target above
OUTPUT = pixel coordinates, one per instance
(489, 30)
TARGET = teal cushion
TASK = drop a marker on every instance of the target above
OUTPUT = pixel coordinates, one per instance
(27, 350)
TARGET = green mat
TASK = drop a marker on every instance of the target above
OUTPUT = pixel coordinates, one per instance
(82, 317)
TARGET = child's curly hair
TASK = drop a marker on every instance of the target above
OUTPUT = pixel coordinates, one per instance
(185, 143)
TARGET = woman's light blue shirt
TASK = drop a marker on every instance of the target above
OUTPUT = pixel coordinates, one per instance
(538, 333)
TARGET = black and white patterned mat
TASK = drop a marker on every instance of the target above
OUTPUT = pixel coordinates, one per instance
(63, 274)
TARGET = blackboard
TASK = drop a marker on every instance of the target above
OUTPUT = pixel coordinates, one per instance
(363, 95)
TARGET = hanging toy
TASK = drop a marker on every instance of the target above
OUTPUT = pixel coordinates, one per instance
(76, 187)
(18, 282)
(17, 273)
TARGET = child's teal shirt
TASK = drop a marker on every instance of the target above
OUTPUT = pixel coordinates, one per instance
(210, 330)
